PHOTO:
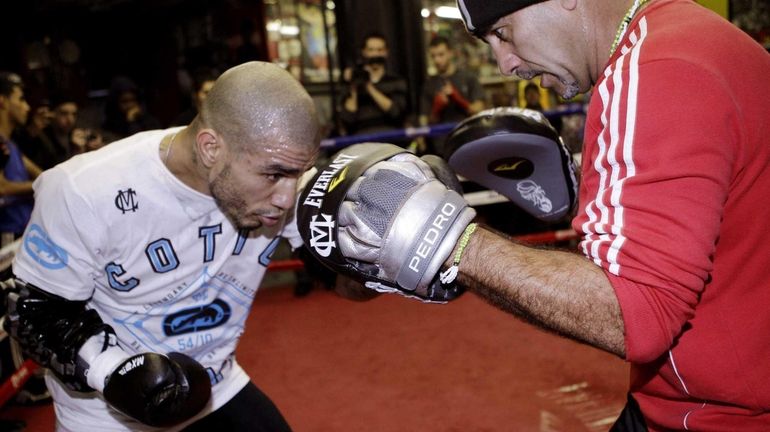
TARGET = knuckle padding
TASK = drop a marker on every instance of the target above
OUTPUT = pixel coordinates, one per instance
(319, 204)
(159, 390)
(377, 203)
(382, 194)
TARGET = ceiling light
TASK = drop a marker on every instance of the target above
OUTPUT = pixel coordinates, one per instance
(448, 12)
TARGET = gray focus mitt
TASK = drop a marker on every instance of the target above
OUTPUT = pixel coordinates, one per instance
(516, 152)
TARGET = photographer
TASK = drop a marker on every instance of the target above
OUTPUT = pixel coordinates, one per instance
(375, 99)
(451, 94)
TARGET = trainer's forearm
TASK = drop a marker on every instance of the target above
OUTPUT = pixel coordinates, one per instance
(557, 290)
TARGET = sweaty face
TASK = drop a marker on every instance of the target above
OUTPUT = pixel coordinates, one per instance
(528, 43)
(258, 188)
(440, 55)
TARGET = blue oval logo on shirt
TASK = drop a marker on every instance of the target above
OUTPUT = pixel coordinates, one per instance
(43, 250)
(197, 319)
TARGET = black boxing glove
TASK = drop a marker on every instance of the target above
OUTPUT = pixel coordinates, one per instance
(83, 353)
(158, 390)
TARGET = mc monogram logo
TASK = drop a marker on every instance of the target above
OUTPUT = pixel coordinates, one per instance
(126, 201)
(322, 235)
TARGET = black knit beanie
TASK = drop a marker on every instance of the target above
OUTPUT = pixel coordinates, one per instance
(479, 15)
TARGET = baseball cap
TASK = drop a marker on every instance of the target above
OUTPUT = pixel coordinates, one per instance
(479, 15)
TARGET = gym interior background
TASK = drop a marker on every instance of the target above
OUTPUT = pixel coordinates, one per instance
(82, 44)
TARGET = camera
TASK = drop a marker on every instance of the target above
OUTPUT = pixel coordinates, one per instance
(360, 75)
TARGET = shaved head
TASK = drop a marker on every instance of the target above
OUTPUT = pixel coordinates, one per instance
(257, 100)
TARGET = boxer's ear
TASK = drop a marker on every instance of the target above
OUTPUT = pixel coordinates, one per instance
(208, 146)
(517, 153)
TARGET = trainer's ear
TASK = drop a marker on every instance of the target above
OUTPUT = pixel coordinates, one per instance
(208, 146)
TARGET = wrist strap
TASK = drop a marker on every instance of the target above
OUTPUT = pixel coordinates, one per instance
(450, 274)
(103, 365)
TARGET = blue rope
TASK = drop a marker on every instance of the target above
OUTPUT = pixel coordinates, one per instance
(426, 131)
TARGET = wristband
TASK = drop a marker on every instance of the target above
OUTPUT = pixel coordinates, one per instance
(450, 274)
(103, 365)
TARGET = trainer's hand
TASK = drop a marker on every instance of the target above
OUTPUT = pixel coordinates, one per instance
(398, 217)
(387, 218)
(158, 390)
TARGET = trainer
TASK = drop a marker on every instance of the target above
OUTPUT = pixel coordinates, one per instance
(673, 271)
(141, 260)
(673, 276)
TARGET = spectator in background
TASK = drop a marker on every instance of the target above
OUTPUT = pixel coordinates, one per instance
(60, 138)
(532, 97)
(18, 171)
(125, 112)
(202, 80)
(451, 94)
(65, 115)
(32, 137)
(16, 198)
(375, 99)
(251, 43)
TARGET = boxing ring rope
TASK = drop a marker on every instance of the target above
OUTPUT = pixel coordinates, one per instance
(16, 380)
(474, 199)
(23, 372)
(540, 238)
(426, 131)
(19, 377)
